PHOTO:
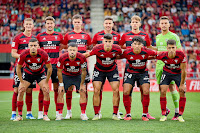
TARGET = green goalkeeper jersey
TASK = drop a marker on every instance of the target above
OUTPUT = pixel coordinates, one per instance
(161, 43)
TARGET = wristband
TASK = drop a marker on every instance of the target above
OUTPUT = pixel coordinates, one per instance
(61, 84)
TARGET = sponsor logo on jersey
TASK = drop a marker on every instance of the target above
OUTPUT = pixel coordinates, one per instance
(72, 69)
(143, 56)
(78, 63)
(131, 57)
(130, 38)
(71, 37)
(44, 38)
(108, 61)
(29, 60)
(56, 37)
(102, 55)
(38, 59)
(138, 63)
(35, 66)
(115, 38)
(24, 41)
(176, 61)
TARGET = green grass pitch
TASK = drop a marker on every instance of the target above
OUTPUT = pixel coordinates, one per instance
(106, 124)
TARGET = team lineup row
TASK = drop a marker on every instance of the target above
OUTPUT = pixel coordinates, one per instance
(72, 71)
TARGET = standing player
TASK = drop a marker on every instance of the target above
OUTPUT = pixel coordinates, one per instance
(161, 44)
(19, 44)
(72, 71)
(98, 38)
(34, 60)
(50, 41)
(83, 40)
(126, 41)
(174, 69)
(106, 67)
(137, 57)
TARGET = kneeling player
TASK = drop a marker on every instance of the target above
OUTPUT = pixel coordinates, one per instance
(137, 57)
(34, 60)
(174, 69)
(106, 67)
(72, 71)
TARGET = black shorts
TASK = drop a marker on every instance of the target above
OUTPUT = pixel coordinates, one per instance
(71, 80)
(166, 78)
(31, 78)
(54, 76)
(101, 76)
(16, 80)
(141, 78)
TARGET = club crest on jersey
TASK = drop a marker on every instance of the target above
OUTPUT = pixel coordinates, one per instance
(24, 41)
(29, 60)
(102, 55)
(56, 37)
(38, 59)
(67, 64)
(102, 38)
(176, 61)
(44, 38)
(143, 56)
(113, 54)
(130, 38)
(83, 36)
(131, 57)
(142, 37)
(115, 38)
(71, 37)
(165, 61)
(78, 63)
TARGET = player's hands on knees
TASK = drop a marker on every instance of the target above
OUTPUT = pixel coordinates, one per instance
(61, 89)
(83, 87)
(46, 81)
(182, 87)
(22, 87)
(46, 89)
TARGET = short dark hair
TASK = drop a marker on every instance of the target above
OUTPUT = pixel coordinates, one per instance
(108, 18)
(77, 16)
(72, 44)
(138, 39)
(108, 36)
(171, 42)
(33, 40)
(164, 17)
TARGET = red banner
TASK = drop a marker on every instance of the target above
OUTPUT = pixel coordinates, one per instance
(192, 86)
(5, 48)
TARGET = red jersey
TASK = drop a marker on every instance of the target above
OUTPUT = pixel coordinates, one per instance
(72, 67)
(137, 62)
(51, 44)
(105, 61)
(34, 64)
(128, 36)
(83, 40)
(20, 42)
(172, 65)
(98, 37)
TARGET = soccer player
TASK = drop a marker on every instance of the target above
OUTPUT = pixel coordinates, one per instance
(72, 71)
(19, 44)
(98, 38)
(83, 40)
(126, 42)
(174, 69)
(50, 41)
(106, 67)
(108, 25)
(161, 44)
(34, 60)
(137, 57)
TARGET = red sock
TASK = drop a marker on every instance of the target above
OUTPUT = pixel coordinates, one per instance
(145, 103)
(28, 101)
(59, 106)
(69, 100)
(100, 99)
(55, 97)
(96, 109)
(115, 109)
(127, 103)
(40, 100)
(20, 107)
(182, 103)
(46, 106)
(83, 107)
(163, 103)
(14, 102)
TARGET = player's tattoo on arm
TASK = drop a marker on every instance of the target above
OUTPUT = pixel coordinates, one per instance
(49, 71)
(183, 72)
(19, 72)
